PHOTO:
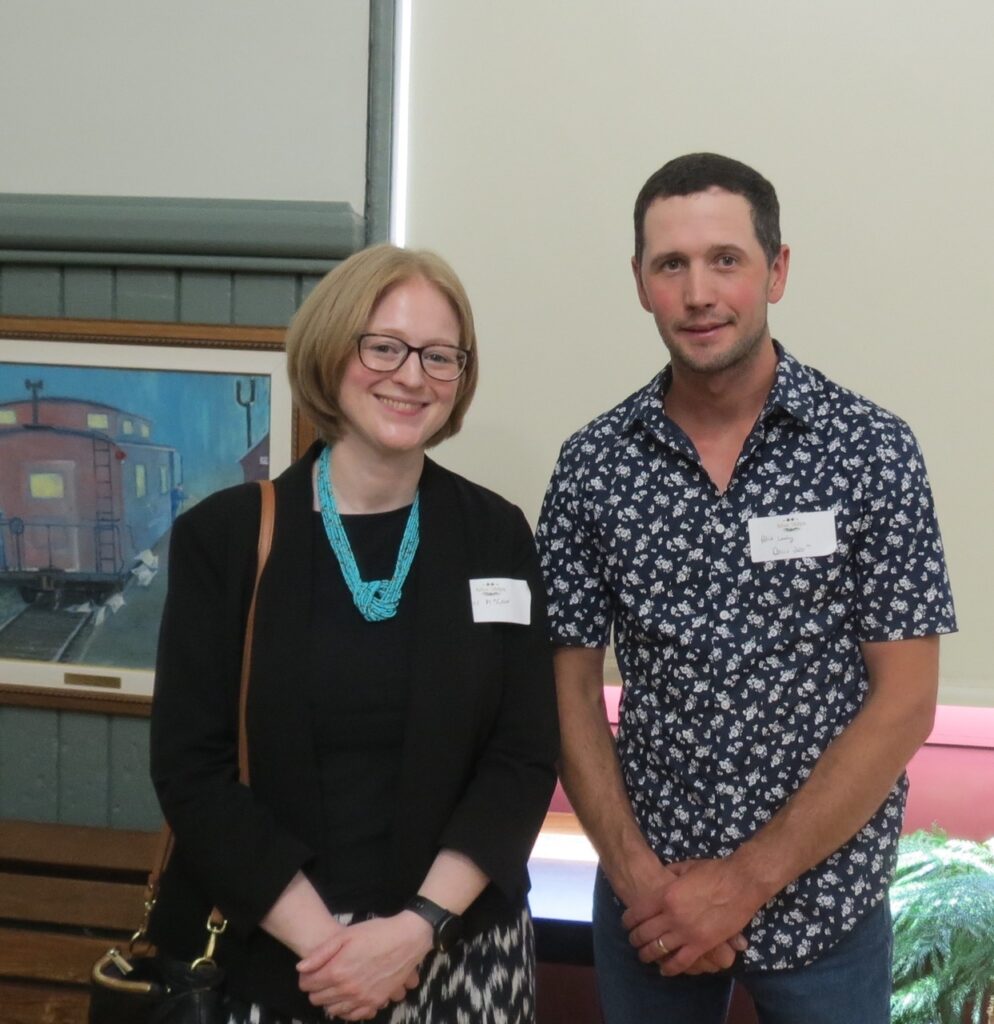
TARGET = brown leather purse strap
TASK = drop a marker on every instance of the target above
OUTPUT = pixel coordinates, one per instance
(266, 523)
(265, 543)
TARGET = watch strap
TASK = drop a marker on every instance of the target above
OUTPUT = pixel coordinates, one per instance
(438, 917)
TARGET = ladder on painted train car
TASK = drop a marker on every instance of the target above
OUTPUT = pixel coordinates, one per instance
(106, 548)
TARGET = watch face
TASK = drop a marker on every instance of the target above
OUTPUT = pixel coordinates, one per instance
(448, 933)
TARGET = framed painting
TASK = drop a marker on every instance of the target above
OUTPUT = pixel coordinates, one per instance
(108, 430)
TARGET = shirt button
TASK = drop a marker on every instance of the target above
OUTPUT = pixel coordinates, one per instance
(719, 528)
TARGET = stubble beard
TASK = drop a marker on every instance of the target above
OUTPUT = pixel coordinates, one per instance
(743, 351)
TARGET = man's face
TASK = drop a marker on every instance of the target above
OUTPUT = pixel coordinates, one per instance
(705, 279)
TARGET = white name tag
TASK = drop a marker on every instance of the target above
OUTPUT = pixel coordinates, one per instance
(796, 535)
(501, 600)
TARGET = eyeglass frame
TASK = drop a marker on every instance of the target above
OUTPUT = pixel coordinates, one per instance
(407, 355)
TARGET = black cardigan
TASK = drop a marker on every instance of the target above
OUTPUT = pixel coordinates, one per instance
(481, 739)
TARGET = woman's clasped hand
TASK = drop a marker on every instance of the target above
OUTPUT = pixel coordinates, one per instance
(366, 966)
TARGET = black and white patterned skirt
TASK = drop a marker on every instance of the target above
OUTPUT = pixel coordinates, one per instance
(489, 979)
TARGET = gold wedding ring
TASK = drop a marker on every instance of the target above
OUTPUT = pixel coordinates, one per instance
(662, 947)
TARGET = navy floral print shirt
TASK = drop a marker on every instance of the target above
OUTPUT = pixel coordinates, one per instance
(738, 673)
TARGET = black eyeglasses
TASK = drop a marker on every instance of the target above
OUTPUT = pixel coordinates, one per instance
(385, 353)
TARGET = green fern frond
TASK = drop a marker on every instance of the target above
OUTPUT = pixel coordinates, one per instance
(958, 1001)
(942, 900)
(916, 1002)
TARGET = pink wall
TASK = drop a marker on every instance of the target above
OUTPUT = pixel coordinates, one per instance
(952, 776)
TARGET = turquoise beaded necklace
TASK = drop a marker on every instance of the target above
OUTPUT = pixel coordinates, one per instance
(376, 599)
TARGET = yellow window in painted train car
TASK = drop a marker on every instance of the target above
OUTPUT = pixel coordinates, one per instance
(47, 485)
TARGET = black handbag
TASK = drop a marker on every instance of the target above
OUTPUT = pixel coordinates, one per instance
(144, 986)
(155, 989)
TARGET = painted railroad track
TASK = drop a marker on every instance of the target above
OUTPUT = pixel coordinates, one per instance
(42, 634)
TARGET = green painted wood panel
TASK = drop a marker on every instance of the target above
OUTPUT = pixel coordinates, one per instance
(308, 282)
(205, 297)
(129, 293)
(132, 798)
(29, 751)
(267, 299)
(30, 291)
(146, 294)
(83, 769)
(75, 768)
(213, 228)
(88, 292)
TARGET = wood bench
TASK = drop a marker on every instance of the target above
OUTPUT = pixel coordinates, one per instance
(66, 893)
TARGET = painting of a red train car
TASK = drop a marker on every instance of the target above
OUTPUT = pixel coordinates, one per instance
(84, 491)
(108, 432)
(96, 462)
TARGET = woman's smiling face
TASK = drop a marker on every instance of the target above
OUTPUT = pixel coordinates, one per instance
(400, 411)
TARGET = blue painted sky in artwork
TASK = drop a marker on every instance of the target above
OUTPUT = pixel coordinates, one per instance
(194, 412)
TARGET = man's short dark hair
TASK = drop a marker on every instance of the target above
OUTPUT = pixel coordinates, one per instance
(697, 172)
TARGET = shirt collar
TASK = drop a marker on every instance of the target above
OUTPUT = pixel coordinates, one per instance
(792, 389)
(792, 392)
(646, 405)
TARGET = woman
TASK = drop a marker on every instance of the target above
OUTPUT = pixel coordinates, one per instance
(401, 734)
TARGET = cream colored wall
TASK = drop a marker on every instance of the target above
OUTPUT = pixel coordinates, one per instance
(235, 99)
(534, 123)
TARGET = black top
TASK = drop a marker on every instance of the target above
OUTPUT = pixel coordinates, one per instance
(360, 684)
(479, 742)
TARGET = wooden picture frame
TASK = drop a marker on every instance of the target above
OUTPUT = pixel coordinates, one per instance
(90, 483)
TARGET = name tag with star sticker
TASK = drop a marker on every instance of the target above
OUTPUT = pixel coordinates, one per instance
(499, 599)
(795, 535)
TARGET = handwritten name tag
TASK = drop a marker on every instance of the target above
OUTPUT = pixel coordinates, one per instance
(795, 535)
(501, 600)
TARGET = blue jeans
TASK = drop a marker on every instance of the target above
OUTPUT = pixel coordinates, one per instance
(850, 984)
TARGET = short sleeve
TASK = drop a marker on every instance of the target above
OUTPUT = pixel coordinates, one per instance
(572, 560)
(903, 583)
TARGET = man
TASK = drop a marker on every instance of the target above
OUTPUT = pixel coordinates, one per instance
(765, 544)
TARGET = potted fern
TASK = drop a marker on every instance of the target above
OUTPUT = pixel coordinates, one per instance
(942, 900)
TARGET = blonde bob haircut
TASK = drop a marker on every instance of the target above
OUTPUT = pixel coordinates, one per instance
(323, 335)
